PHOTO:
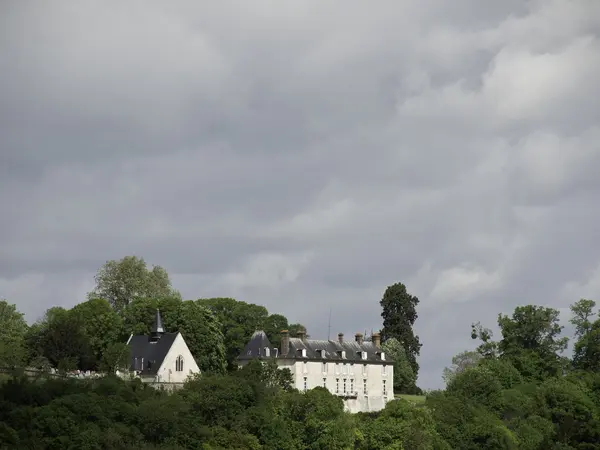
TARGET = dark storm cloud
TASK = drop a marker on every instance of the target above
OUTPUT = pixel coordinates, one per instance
(305, 155)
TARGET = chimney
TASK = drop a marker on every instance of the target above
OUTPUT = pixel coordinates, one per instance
(376, 338)
(285, 343)
(301, 334)
(341, 338)
(358, 337)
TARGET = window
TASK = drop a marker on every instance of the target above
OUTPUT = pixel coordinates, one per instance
(382, 356)
(337, 368)
(365, 387)
(345, 369)
(179, 364)
(267, 352)
(351, 385)
(351, 369)
(384, 389)
(364, 370)
(384, 370)
(305, 383)
(324, 367)
(344, 354)
(344, 385)
(325, 383)
(337, 385)
(364, 355)
(305, 367)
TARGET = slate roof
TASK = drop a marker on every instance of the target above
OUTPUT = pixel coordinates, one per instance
(153, 352)
(255, 348)
(316, 350)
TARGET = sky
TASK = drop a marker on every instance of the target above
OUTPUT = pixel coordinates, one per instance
(306, 155)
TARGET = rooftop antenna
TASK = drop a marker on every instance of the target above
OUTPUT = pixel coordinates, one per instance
(329, 325)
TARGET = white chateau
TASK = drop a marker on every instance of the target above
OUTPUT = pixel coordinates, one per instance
(357, 371)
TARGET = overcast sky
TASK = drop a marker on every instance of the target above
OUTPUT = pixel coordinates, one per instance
(304, 155)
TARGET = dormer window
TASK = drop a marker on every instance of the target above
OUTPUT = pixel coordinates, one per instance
(364, 355)
(302, 352)
(276, 352)
(341, 354)
(382, 356)
(321, 353)
(267, 352)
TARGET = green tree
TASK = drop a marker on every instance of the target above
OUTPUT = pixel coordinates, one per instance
(61, 339)
(582, 316)
(138, 316)
(13, 330)
(399, 313)
(586, 352)
(202, 333)
(532, 334)
(460, 363)
(100, 324)
(239, 320)
(116, 356)
(123, 281)
(404, 377)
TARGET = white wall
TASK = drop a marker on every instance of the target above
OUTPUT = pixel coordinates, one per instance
(355, 375)
(167, 373)
(313, 371)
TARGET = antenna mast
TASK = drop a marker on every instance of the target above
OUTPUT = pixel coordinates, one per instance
(329, 325)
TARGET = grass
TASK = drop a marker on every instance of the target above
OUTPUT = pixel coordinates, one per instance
(414, 399)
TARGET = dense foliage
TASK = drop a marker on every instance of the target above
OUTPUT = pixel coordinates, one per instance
(517, 392)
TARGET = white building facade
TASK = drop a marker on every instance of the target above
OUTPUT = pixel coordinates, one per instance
(356, 371)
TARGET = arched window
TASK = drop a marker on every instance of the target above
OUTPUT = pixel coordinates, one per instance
(179, 364)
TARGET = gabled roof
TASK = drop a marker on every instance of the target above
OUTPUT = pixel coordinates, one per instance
(255, 348)
(152, 352)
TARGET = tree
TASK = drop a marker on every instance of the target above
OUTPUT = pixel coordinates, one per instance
(62, 340)
(100, 324)
(460, 363)
(586, 352)
(128, 279)
(533, 334)
(115, 356)
(399, 315)
(239, 320)
(138, 315)
(202, 333)
(582, 316)
(530, 341)
(404, 377)
(487, 348)
(13, 329)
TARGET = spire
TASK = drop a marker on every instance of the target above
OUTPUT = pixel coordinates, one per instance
(157, 329)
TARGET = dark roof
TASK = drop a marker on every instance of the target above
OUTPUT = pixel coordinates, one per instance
(321, 350)
(152, 352)
(255, 348)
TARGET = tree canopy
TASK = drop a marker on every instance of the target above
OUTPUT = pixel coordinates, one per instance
(120, 282)
(399, 313)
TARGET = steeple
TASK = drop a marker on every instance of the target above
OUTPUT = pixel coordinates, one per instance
(157, 329)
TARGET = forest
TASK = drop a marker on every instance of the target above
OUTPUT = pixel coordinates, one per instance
(518, 390)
